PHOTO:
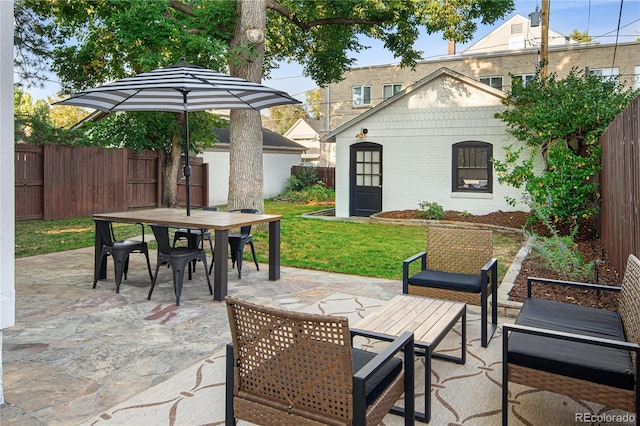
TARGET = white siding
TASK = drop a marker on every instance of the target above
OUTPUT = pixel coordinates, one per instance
(277, 169)
(417, 133)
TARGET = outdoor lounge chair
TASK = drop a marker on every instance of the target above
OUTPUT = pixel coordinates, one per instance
(119, 250)
(178, 259)
(457, 266)
(292, 368)
(579, 351)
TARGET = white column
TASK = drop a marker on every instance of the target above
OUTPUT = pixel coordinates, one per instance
(7, 204)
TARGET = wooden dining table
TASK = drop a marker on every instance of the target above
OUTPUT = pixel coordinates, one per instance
(218, 221)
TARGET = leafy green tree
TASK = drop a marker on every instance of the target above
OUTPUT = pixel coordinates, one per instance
(285, 116)
(94, 41)
(33, 123)
(313, 103)
(560, 120)
(66, 116)
(581, 37)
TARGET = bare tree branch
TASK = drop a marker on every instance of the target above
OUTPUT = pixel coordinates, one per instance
(182, 7)
(306, 26)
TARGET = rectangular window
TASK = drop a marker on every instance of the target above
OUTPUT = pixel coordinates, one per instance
(520, 81)
(388, 90)
(361, 96)
(472, 170)
(495, 82)
(606, 72)
(368, 168)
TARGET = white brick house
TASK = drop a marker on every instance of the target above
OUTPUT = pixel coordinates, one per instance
(431, 142)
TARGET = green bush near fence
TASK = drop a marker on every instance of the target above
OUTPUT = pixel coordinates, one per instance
(301, 178)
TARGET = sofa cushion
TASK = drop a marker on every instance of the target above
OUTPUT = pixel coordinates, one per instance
(381, 379)
(596, 364)
(447, 280)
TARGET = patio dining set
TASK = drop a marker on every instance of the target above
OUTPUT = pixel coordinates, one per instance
(195, 229)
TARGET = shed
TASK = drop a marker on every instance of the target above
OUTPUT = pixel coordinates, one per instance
(431, 142)
(279, 155)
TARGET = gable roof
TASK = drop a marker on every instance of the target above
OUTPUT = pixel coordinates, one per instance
(270, 140)
(501, 38)
(411, 89)
(300, 124)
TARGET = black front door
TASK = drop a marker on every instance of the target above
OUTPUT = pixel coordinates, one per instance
(366, 179)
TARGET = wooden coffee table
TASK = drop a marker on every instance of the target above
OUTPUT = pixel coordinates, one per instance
(430, 320)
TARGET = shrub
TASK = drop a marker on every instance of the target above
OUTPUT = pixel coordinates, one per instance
(559, 253)
(302, 177)
(429, 210)
(318, 193)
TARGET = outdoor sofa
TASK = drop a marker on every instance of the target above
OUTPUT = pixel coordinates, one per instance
(582, 352)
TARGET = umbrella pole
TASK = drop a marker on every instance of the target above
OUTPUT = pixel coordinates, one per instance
(187, 166)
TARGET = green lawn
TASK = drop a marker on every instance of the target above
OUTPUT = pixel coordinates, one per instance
(367, 249)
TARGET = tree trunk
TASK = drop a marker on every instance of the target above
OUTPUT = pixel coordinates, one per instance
(246, 176)
(170, 173)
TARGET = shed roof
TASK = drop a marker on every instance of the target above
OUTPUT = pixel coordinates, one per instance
(409, 90)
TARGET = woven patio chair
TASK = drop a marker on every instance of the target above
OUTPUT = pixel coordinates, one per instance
(292, 368)
(457, 266)
(583, 352)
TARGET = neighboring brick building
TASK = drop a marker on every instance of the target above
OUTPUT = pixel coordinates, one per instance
(511, 49)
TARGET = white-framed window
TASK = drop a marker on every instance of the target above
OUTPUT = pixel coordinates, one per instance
(388, 90)
(606, 72)
(472, 167)
(360, 96)
(495, 81)
(519, 81)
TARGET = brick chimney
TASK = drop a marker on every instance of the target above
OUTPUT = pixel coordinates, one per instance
(452, 47)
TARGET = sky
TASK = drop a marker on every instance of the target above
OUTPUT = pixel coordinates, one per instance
(598, 17)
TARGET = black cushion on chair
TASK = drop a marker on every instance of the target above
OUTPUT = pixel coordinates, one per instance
(381, 379)
(596, 364)
(469, 283)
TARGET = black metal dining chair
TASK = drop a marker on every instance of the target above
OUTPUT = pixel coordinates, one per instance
(238, 241)
(178, 258)
(196, 237)
(119, 250)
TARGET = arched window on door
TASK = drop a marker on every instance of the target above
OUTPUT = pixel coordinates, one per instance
(472, 168)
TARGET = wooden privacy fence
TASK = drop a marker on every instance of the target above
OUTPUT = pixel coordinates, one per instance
(620, 186)
(326, 175)
(55, 181)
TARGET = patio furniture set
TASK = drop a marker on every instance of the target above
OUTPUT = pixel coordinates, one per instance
(196, 229)
(287, 367)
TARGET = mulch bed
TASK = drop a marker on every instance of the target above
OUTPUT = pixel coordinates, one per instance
(588, 245)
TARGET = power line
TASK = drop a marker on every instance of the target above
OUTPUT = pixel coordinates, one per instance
(615, 47)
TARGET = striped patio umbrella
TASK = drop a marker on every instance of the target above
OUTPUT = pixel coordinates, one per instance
(181, 87)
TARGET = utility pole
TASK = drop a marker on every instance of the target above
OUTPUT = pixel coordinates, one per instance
(544, 47)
